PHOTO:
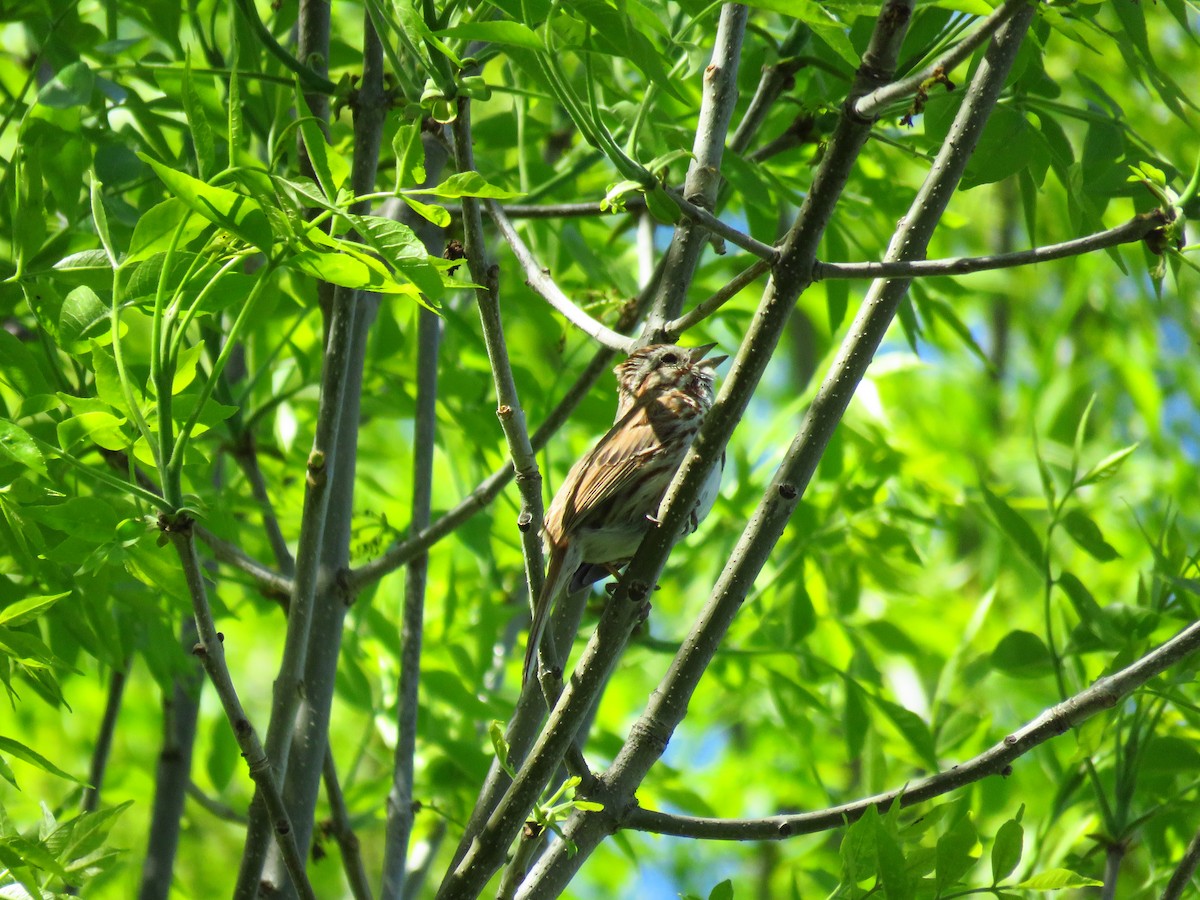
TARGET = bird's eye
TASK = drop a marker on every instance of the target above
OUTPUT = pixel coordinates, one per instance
(671, 359)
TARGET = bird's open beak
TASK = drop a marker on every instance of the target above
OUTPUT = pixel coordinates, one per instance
(697, 355)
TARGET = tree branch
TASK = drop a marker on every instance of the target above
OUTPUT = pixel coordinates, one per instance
(313, 579)
(707, 307)
(870, 106)
(90, 801)
(539, 279)
(211, 651)
(342, 830)
(309, 733)
(1181, 878)
(1103, 695)
(509, 411)
(311, 78)
(718, 97)
(172, 774)
(400, 810)
(1135, 229)
(716, 226)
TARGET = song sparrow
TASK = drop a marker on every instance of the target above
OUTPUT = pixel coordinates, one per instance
(611, 495)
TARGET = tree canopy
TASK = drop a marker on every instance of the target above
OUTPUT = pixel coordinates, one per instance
(308, 308)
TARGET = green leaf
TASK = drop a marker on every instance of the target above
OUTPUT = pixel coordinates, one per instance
(438, 215)
(615, 32)
(223, 755)
(893, 868)
(410, 155)
(912, 728)
(1087, 534)
(28, 609)
(509, 34)
(101, 428)
(17, 445)
(72, 86)
(1081, 598)
(1056, 880)
(20, 751)
(198, 127)
(855, 719)
(236, 213)
(348, 269)
(155, 230)
(318, 150)
(18, 368)
(1022, 654)
(954, 849)
(1015, 528)
(100, 218)
(467, 184)
(662, 207)
(83, 317)
(1107, 467)
(1007, 848)
(722, 891)
(858, 851)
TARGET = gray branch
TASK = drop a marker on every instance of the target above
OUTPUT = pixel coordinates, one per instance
(871, 105)
(343, 831)
(539, 279)
(1136, 229)
(717, 99)
(1103, 695)
(509, 411)
(400, 810)
(710, 305)
(1181, 878)
(211, 651)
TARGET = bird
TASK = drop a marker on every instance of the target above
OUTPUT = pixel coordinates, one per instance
(611, 496)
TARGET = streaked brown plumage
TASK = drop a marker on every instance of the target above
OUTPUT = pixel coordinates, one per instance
(605, 506)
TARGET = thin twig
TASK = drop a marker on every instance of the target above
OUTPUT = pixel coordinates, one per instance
(539, 279)
(710, 305)
(210, 649)
(246, 454)
(570, 210)
(1100, 697)
(1181, 878)
(715, 225)
(401, 812)
(1135, 229)
(104, 739)
(869, 106)
(222, 811)
(343, 831)
(718, 97)
(509, 410)
(771, 84)
(266, 579)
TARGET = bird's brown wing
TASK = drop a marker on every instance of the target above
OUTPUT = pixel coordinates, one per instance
(604, 473)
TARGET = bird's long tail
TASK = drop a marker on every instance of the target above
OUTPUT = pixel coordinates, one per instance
(556, 576)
